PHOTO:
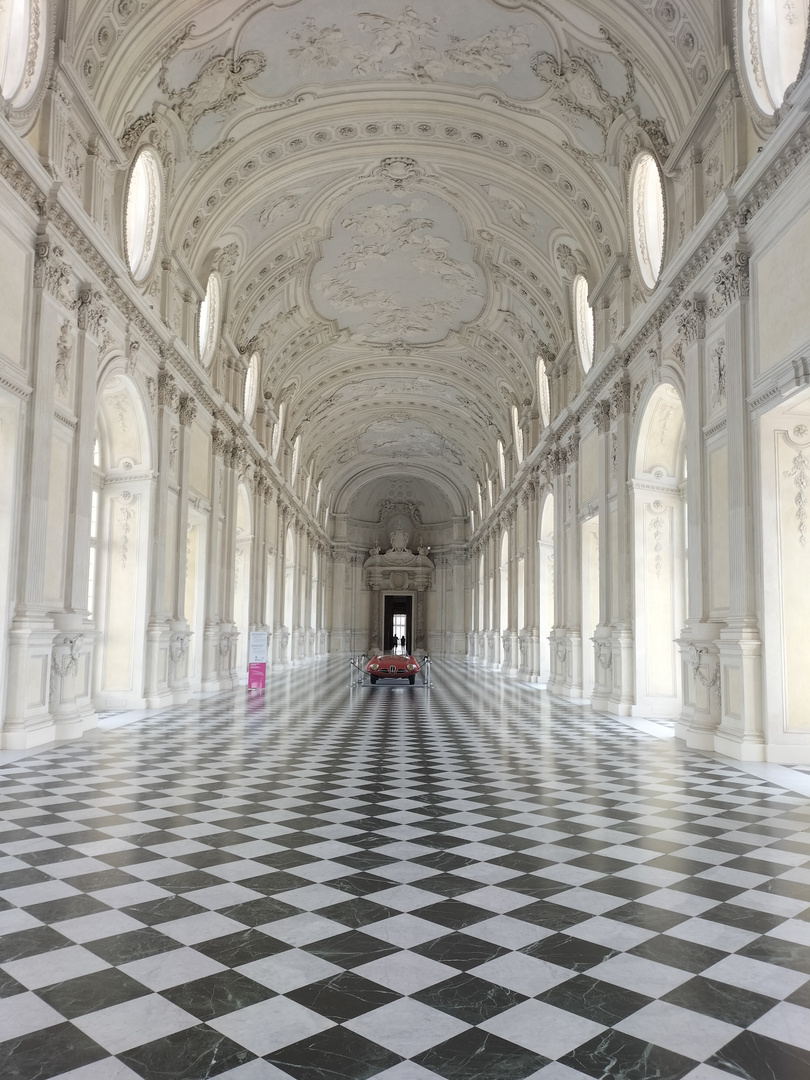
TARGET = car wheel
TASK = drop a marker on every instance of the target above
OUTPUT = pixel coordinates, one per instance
(373, 679)
(411, 679)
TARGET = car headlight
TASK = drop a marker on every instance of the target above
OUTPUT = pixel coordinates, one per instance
(411, 667)
(373, 667)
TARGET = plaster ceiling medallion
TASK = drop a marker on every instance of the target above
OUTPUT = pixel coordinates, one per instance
(398, 268)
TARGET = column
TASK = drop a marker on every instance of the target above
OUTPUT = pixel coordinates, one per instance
(741, 725)
(701, 705)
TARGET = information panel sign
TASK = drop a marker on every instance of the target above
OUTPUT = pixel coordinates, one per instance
(257, 660)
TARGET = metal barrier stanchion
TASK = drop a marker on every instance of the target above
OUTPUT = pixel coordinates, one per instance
(359, 666)
(426, 673)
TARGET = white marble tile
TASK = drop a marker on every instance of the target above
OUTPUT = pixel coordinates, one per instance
(543, 1028)
(714, 934)
(636, 973)
(24, 1013)
(139, 892)
(288, 970)
(610, 932)
(197, 928)
(132, 1023)
(406, 972)
(171, 968)
(269, 1025)
(406, 1027)
(507, 932)
(682, 1031)
(524, 974)
(305, 928)
(99, 925)
(754, 975)
(52, 967)
(786, 1023)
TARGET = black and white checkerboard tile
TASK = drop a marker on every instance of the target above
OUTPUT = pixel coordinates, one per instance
(475, 883)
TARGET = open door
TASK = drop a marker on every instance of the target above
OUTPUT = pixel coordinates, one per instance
(397, 624)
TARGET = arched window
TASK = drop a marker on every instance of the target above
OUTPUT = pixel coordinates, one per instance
(648, 217)
(772, 39)
(583, 321)
(295, 455)
(278, 431)
(502, 464)
(517, 432)
(142, 213)
(308, 485)
(251, 387)
(208, 328)
(543, 394)
(23, 34)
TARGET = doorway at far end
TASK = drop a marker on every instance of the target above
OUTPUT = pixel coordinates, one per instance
(397, 626)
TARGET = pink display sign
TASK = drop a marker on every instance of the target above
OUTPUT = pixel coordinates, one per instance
(257, 660)
(257, 676)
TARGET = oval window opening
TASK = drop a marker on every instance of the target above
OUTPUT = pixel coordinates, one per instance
(583, 315)
(773, 40)
(209, 321)
(22, 49)
(142, 214)
(251, 386)
(647, 207)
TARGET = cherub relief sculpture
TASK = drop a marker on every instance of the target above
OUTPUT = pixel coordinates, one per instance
(217, 88)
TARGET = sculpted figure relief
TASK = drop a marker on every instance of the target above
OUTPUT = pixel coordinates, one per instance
(217, 88)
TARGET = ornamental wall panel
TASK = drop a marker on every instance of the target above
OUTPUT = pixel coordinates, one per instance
(793, 485)
(15, 275)
(58, 494)
(780, 284)
(200, 461)
(589, 468)
(720, 586)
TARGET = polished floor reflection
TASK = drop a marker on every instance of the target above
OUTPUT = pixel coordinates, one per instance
(472, 882)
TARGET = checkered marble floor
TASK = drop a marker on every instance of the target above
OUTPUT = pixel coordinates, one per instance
(471, 883)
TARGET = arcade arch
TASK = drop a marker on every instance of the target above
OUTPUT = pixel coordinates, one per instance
(659, 514)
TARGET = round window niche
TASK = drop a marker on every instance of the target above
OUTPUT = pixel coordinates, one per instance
(583, 316)
(251, 387)
(208, 328)
(772, 39)
(142, 213)
(23, 36)
(648, 216)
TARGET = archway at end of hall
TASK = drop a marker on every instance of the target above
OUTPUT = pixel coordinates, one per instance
(659, 510)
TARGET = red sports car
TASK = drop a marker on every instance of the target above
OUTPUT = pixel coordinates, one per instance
(392, 666)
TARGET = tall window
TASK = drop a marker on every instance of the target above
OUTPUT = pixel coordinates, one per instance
(583, 321)
(502, 464)
(278, 431)
(295, 455)
(517, 432)
(94, 507)
(543, 391)
(647, 213)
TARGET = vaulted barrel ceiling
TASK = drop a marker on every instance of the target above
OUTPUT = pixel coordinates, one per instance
(386, 192)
